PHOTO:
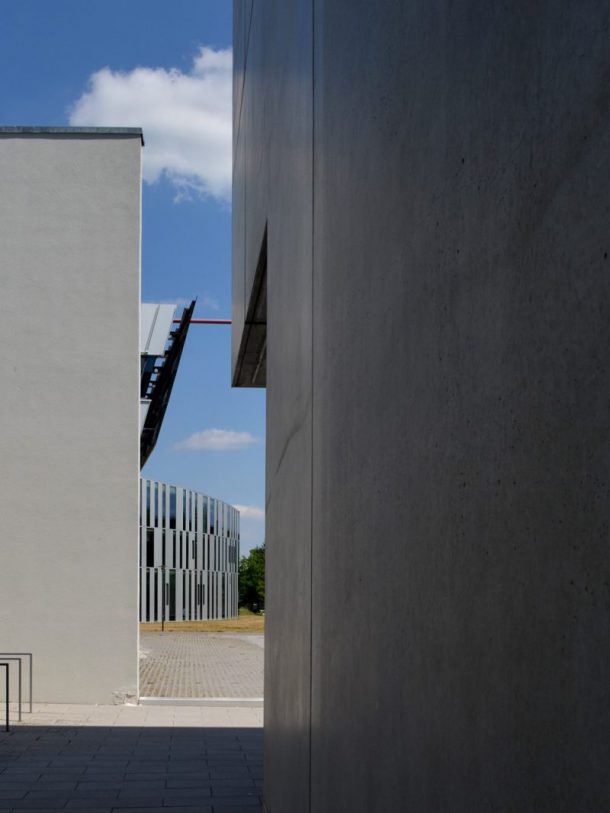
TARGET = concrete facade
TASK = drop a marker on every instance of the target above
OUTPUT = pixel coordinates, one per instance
(428, 184)
(69, 355)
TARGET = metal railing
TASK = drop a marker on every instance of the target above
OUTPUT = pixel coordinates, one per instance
(6, 665)
(6, 658)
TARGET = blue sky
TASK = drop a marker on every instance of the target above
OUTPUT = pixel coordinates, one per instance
(141, 62)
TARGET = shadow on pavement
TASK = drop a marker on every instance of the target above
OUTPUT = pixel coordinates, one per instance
(121, 769)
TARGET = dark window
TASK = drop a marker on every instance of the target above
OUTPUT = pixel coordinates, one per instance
(163, 562)
(150, 547)
(172, 506)
(174, 548)
(184, 523)
(157, 506)
(212, 515)
(204, 516)
(172, 595)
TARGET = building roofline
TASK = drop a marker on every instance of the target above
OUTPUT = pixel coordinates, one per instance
(75, 131)
(189, 488)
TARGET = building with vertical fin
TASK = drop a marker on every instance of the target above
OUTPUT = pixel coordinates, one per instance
(189, 542)
(189, 555)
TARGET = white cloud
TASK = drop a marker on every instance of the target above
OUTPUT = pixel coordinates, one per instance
(186, 119)
(217, 440)
(210, 303)
(251, 512)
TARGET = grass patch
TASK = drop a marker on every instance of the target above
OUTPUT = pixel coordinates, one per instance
(246, 622)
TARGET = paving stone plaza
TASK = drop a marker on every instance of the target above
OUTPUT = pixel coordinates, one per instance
(174, 757)
(195, 664)
(114, 759)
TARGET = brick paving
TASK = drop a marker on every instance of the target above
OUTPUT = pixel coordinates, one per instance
(201, 664)
(117, 759)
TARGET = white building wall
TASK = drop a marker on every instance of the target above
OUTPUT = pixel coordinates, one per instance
(69, 361)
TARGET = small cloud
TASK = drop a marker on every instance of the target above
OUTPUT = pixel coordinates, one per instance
(185, 116)
(210, 303)
(251, 512)
(217, 440)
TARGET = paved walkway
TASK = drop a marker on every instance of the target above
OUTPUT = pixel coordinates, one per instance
(201, 664)
(114, 759)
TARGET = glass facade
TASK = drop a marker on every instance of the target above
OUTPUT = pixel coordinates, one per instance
(189, 555)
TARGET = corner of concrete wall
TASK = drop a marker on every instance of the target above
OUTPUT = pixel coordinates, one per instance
(437, 424)
(69, 346)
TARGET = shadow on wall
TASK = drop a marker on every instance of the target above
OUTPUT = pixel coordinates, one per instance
(112, 769)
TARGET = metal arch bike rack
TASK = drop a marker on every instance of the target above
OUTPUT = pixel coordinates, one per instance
(22, 655)
(5, 660)
(6, 666)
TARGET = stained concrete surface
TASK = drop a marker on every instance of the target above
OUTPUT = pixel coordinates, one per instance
(434, 178)
(272, 187)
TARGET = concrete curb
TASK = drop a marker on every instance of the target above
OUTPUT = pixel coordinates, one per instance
(234, 702)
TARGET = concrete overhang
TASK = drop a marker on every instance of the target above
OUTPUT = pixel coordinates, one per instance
(251, 365)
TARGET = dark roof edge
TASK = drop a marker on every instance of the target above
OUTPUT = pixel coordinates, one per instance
(93, 131)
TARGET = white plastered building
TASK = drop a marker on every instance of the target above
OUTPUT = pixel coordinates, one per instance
(70, 213)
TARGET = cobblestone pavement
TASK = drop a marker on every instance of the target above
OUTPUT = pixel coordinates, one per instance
(117, 759)
(201, 664)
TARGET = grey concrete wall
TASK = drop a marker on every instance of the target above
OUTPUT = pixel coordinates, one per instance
(438, 428)
(271, 163)
(69, 355)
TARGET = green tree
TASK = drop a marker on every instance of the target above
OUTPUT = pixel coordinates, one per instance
(252, 578)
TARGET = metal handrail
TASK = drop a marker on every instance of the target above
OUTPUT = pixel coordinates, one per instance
(5, 659)
(6, 666)
(14, 656)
